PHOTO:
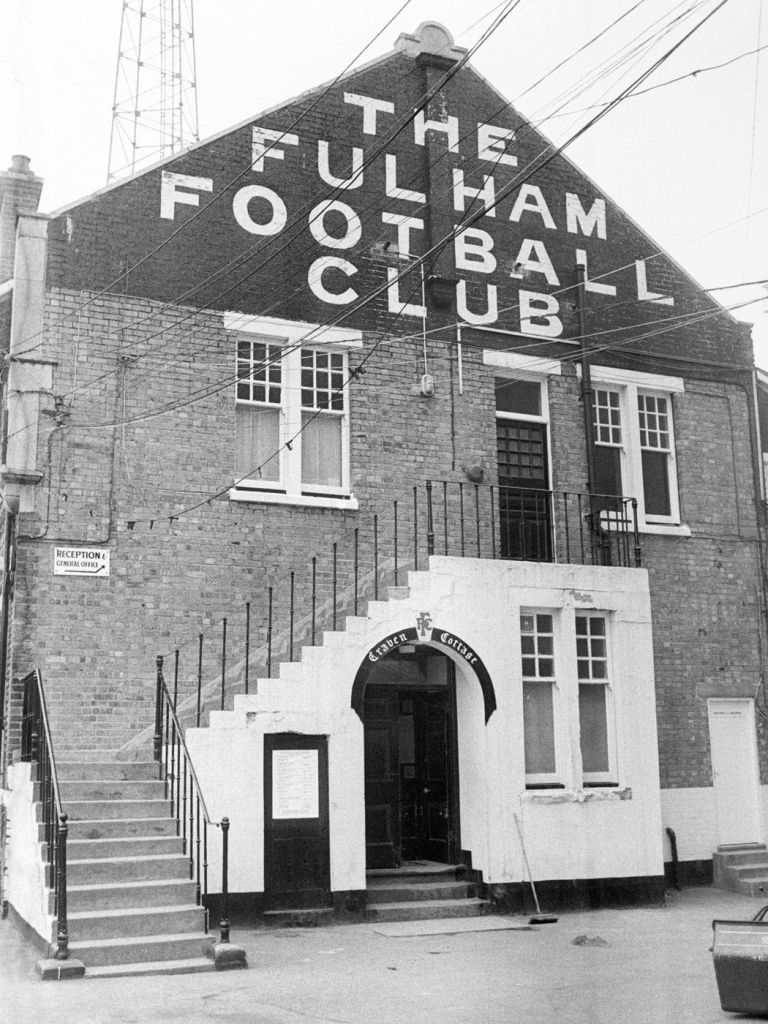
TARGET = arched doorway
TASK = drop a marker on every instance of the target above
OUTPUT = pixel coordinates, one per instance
(411, 758)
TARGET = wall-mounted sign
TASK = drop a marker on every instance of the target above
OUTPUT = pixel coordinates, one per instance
(295, 784)
(81, 562)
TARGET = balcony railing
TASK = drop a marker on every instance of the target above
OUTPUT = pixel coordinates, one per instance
(295, 605)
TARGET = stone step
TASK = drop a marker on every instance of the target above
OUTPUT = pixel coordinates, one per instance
(163, 892)
(192, 965)
(742, 857)
(85, 770)
(308, 917)
(411, 910)
(752, 871)
(135, 921)
(88, 810)
(401, 893)
(119, 828)
(138, 949)
(77, 791)
(127, 869)
(135, 846)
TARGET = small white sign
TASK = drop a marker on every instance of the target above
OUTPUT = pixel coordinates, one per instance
(81, 562)
(295, 784)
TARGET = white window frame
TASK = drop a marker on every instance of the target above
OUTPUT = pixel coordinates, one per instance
(556, 778)
(293, 337)
(609, 777)
(628, 384)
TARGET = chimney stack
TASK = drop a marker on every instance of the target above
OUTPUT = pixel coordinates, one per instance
(19, 193)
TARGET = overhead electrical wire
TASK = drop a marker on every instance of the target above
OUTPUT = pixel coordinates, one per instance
(593, 120)
(407, 270)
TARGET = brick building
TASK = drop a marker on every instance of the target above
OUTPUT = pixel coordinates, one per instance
(434, 482)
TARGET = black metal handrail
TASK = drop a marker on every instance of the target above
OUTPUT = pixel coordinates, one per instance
(37, 748)
(188, 806)
(453, 518)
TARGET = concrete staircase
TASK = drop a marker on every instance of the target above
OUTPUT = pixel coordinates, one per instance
(131, 904)
(422, 890)
(742, 869)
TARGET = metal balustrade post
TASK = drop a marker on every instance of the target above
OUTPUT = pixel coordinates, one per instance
(335, 581)
(224, 923)
(223, 660)
(291, 614)
(636, 533)
(62, 931)
(199, 678)
(247, 643)
(157, 743)
(269, 636)
(415, 529)
(430, 522)
(314, 598)
(445, 517)
(375, 558)
(395, 543)
(176, 679)
(357, 540)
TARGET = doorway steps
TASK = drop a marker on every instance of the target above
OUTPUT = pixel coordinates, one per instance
(742, 869)
(422, 890)
(131, 904)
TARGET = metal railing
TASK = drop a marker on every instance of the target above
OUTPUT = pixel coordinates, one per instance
(188, 808)
(451, 518)
(37, 748)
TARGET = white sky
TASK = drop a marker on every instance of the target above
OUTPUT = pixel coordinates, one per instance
(683, 160)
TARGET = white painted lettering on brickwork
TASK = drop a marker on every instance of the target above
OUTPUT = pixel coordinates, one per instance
(530, 199)
(462, 192)
(170, 194)
(354, 229)
(355, 179)
(315, 280)
(371, 107)
(533, 258)
(394, 302)
(642, 288)
(263, 144)
(492, 144)
(449, 127)
(473, 249)
(592, 286)
(241, 204)
(577, 219)
(404, 227)
(491, 314)
(538, 315)
(392, 189)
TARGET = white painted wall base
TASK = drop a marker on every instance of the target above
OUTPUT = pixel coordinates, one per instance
(572, 832)
(25, 886)
(692, 813)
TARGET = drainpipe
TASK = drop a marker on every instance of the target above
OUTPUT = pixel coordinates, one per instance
(7, 595)
(586, 377)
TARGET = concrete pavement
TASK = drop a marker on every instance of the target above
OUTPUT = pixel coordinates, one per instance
(655, 968)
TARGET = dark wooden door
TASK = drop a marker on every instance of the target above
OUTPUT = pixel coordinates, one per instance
(382, 777)
(426, 807)
(524, 501)
(296, 838)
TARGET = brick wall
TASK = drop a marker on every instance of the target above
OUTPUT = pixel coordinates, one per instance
(163, 373)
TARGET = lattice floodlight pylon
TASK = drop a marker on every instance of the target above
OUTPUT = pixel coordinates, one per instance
(154, 112)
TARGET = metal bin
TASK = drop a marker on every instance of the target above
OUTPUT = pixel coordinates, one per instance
(740, 955)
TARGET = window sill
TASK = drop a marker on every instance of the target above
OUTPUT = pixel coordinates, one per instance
(304, 501)
(577, 796)
(665, 529)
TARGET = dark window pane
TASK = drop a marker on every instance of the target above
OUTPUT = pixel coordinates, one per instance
(518, 396)
(607, 470)
(539, 728)
(544, 623)
(656, 483)
(594, 729)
